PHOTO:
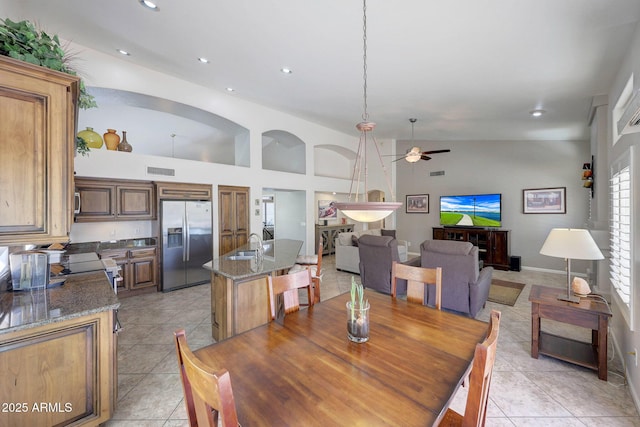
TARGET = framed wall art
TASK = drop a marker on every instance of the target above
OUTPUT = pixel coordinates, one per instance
(417, 203)
(544, 200)
(327, 209)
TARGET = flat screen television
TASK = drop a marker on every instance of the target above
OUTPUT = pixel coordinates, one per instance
(473, 210)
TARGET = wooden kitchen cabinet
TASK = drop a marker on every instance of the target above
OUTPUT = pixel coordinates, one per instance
(139, 267)
(114, 200)
(69, 367)
(183, 191)
(143, 267)
(37, 133)
(233, 217)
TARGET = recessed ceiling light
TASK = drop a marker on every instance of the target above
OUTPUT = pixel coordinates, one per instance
(149, 5)
(203, 60)
(286, 70)
(537, 113)
(123, 52)
(230, 89)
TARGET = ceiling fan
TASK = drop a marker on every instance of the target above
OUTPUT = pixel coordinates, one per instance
(416, 153)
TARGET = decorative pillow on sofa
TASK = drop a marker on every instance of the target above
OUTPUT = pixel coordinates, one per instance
(345, 238)
(354, 240)
(391, 233)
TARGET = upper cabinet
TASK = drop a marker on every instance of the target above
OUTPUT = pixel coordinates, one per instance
(37, 134)
(114, 200)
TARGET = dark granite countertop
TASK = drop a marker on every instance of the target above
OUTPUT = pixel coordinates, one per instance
(98, 247)
(279, 254)
(80, 295)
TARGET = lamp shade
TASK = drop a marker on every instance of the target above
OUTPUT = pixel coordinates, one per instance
(571, 243)
(367, 211)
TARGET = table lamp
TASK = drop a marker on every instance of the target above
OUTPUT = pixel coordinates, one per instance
(570, 243)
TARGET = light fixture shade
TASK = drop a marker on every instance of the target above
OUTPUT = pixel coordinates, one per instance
(571, 243)
(367, 211)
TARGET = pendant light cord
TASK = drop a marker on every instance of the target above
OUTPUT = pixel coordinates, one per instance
(365, 114)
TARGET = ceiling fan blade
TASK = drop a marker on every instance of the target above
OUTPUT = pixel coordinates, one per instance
(436, 151)
(423, 157)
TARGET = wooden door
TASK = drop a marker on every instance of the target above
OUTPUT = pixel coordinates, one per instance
(233, 217)
(37, 129)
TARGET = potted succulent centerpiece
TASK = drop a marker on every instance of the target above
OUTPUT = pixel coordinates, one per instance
(357, 314)
(23, 41)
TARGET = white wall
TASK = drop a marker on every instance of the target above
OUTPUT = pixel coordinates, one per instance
(505, 167)
(625, 339)
(111, 72)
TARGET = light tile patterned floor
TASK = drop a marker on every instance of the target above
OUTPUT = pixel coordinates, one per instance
(524, 391)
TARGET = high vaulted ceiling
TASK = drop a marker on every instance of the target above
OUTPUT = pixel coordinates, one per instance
(466, 69)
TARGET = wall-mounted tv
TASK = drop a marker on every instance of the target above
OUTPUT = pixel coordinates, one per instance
(474, 210)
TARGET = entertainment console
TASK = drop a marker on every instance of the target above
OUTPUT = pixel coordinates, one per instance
(493, 245)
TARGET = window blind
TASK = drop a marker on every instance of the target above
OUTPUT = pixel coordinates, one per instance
(620, 234)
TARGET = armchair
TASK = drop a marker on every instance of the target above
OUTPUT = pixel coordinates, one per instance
(377, 254)
(464, 287)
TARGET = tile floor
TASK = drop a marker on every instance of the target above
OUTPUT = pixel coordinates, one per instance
(524, 391)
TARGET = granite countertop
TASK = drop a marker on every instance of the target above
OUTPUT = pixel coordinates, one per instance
(279, 254)
(80, 295)
(98, 247)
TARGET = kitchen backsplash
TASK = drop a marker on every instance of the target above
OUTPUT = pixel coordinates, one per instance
(116, 230)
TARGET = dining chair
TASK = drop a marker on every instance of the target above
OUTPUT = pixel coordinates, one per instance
(207, 393)
(287, 285)
(314, 263)
(475, 412)
(417, 278)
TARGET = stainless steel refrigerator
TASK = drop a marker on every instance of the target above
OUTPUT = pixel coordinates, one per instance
(186, 243)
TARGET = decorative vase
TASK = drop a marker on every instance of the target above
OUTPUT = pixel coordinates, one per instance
(112, 139)
(92, 138)
(124, 144)
(358, 323)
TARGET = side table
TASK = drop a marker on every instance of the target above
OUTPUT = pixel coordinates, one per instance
(589, 313)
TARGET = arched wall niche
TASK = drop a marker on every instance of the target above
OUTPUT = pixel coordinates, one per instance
(161, 127)
(283, 151)
(333, 161)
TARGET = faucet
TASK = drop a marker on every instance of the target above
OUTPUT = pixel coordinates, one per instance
(260, 250)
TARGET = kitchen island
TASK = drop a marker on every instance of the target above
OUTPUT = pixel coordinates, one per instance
(239, 285)
(58, 353)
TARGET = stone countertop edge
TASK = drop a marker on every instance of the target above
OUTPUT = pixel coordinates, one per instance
(284, 256)
(80, 295)
(147, 242)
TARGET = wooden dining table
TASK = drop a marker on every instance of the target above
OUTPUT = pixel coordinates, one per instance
(304, 371)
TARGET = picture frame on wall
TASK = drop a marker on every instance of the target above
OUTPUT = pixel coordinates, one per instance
(417, 203)
(327, 209)
(544, 200)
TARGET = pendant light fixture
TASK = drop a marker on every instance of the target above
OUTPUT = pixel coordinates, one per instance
(364, 211)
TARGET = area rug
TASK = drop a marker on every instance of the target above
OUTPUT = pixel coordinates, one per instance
(504, 292)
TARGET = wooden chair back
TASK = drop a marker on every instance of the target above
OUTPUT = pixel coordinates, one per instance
(479, 381)
(287, 285)
(207, 394)
(417, 278)
(317, 276)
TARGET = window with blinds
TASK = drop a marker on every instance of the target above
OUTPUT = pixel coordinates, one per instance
(621, 256)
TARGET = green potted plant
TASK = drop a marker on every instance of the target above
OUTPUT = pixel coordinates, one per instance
(357, 314)
(23, 41)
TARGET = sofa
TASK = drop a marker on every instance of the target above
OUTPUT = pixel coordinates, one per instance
(465, 288)
(347, 257)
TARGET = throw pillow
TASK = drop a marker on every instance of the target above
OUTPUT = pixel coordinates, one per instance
(391, 233)
(354, 240)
